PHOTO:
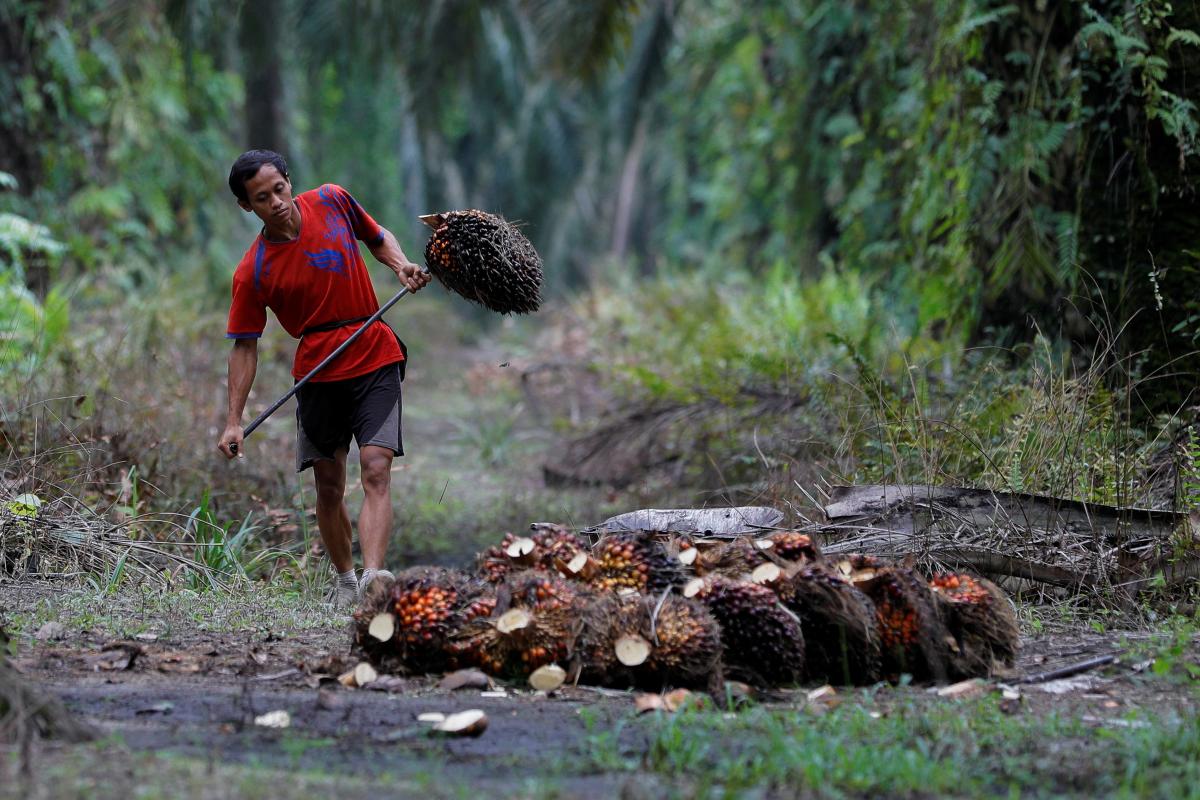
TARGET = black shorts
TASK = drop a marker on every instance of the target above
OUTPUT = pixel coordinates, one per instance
(329, 413)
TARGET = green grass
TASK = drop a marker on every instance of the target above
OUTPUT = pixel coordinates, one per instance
(914, 748)
(250, 607)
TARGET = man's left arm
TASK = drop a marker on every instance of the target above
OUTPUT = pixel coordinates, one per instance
(388, 252)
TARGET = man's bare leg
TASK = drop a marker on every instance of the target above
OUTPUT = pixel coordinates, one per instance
(375, 520)
(333, 518)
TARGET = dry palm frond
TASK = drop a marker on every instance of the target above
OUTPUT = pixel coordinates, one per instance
(65, 538)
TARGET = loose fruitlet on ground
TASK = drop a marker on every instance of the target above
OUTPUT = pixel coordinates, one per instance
(485, 259)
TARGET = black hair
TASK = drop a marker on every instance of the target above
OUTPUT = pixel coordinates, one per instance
(247, 166)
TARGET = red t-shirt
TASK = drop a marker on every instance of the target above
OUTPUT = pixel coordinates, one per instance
(316, 278)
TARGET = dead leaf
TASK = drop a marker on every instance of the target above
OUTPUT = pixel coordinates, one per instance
(274, 719)
(680, 698)
(963, 689)
(472, 722)
(388, 683)
(51, 631)
(465, 679)
(258, 656)
(645, 703)
(165, 707)
(824, 697)
(115, 658)
(738, 694)
(184, 663)
(328, 700)
(147, 637)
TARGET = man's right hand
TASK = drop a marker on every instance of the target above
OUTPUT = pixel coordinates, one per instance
(232, 436)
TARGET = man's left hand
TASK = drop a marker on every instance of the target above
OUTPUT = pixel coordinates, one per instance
(412, 276)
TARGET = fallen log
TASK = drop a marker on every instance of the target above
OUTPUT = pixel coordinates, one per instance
(1055, 541)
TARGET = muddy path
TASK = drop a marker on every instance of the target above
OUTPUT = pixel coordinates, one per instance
(193, 697)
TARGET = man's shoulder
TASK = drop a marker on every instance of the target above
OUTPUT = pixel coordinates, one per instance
(253, 254)
(327, 193)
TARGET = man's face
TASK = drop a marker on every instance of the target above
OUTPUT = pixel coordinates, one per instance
(270, 196)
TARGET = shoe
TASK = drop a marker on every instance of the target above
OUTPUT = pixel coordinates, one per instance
(342, 596)
(371, 576)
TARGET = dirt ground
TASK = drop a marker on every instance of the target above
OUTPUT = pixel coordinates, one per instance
(192, 697)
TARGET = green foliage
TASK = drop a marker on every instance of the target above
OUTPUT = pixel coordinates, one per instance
(114, 132)
(687, 336)
(883, 745)
(223, 549)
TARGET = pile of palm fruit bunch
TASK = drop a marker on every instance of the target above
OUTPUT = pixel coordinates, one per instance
(485, 259)
(654, 610)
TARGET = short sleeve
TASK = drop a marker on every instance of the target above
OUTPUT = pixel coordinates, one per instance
(365, 228)
(247, 312)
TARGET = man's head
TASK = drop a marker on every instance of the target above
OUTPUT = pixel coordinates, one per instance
(259, 180)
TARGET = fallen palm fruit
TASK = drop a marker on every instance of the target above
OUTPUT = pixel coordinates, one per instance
(536, 622)
(548, 678)
(426, 607)
(793, 546)
(763, 642)
(485, 259)
(981, 620)
(840, 633)
(913, 639)
(550, 548)
(465, 723)
(635, 561)
(742, 556)
(362, 675)
(650, 642)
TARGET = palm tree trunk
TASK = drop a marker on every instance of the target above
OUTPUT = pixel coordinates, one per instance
(260, 37)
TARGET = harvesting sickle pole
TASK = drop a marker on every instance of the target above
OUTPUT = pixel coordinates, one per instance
(493, 254)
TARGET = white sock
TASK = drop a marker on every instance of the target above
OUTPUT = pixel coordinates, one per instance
(348, 579)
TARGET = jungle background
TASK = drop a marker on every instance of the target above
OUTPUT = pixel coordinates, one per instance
(784, 243)
(787, 245)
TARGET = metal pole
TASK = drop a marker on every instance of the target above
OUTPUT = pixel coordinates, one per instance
(233, 448)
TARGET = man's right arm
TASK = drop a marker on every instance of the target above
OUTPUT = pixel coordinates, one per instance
(243, 364)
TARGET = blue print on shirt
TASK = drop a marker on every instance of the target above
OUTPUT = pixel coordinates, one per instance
(340, 257)
(259, 264)
(328, 260)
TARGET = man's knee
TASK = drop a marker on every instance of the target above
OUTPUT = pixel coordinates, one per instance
(331, 482)
(376, 463)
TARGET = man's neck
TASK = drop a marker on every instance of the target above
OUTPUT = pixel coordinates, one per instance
(287, 230)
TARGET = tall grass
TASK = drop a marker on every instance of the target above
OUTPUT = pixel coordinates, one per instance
(882, 400)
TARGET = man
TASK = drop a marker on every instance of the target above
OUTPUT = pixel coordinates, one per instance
(306, 267)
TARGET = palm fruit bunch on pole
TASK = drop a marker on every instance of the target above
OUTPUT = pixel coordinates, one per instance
(536, 621)
(841, 640)
(551, 547)
(635, 562)
(410, 625)
(762, 641)
(650, 642)
(485, 259)
(913, 639)
(981, 620)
